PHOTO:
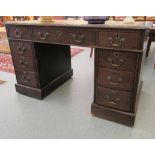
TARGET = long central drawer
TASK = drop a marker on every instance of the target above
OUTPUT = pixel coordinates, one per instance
(63, 35)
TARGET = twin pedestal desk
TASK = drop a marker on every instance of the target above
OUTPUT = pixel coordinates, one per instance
(42, 61)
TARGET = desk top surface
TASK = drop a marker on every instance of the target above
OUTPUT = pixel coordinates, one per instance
(84, 24)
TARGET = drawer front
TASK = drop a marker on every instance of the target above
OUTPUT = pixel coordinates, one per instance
(78, 37)
(21, 48)
(117, 60)
(27, 78)
(63, 35)
(41, 34)
(72, 36)
(113, 98)
(48, 34)
(19, 32)
(119, 39)
(121, 80)
(24, 63)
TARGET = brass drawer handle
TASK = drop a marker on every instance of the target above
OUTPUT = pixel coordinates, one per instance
(21, 50)
(114, 78)
(114, 64)
(78, 38)
(26, 78)
(18, 33)
(112, 98)
(43, 36)
(116, 41)
(23, 63)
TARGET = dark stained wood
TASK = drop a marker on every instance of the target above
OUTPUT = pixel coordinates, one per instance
(24, 63)
(27, 78)
(117, 59)
(41, 33)
(120, 39)
(42, 61)
(122, 80)
(113, 98)
(21, 48)
(118, 116)
(28, 91)
(46, 69)
(43, 92)
(19, 32)
(65, 35)
(78, 37)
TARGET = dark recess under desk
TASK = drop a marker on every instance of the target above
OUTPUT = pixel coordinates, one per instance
(52, 61)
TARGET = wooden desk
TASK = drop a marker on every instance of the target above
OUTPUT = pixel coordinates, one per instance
(42, 61)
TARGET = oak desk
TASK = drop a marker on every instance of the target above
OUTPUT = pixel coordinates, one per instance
(42, 61)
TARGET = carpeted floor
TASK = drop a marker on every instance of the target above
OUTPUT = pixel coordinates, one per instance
(6, 64)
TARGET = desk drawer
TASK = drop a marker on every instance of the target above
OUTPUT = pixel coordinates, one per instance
(69, 36)
(63, 35)
(24, 63)
(78, 37)
(27, 78)
(113, 98)
(23, 48)
(41, 34)
(49, 34)
(110, 78)
(19, 32)
(117, 60)
(120, 39)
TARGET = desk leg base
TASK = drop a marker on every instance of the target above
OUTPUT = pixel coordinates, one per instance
(43, 92)
(121, 117)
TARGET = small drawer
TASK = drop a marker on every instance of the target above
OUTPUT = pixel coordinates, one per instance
(113, 98)
(78, 37)
(57, 34)
(121, 80)
(119, 39)
(24, 63)
(27, 78)
(41, 34)
(117, 60)
(24, 48)
(19, 32)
